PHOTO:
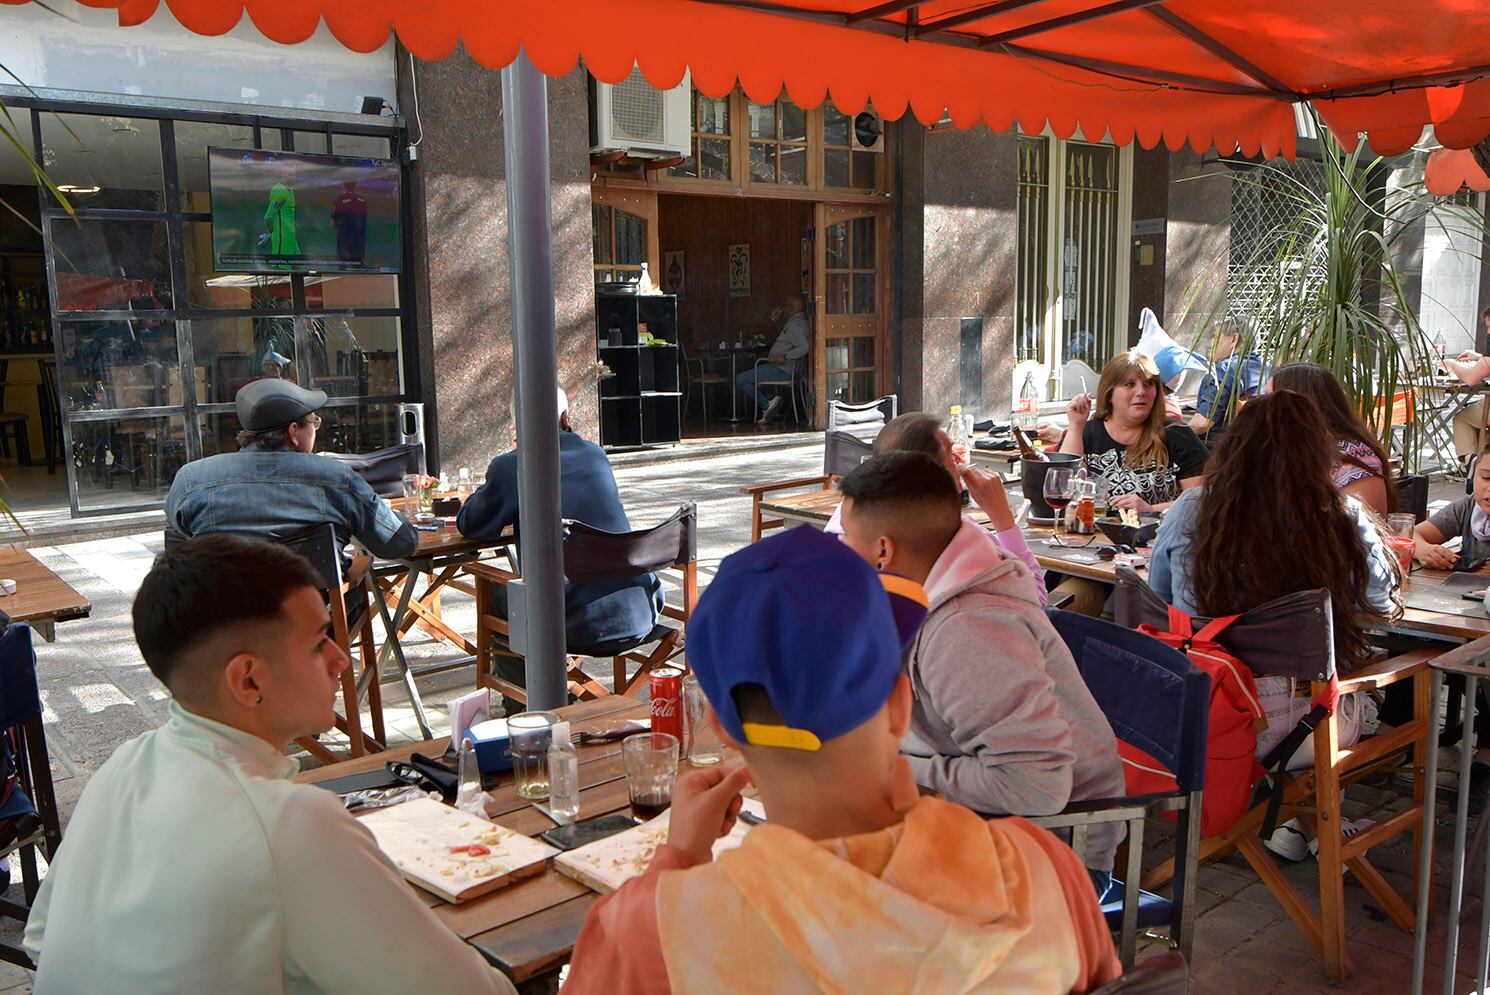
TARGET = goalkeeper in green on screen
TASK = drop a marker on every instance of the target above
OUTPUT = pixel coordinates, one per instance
(279, 216)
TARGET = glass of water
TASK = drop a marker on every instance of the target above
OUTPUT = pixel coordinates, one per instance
(704, 747)
(529, 736)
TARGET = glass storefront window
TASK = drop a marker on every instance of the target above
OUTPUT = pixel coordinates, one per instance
(778, 143)
(362, 146)
(207, 288)
(119, 364)
(709, 159)
(193, 139)
(127, 462)
(844, 167)
(229, 352)
(336, 290)
(103, 161)
(361, 428)
(355, 357)
(111, 265)
(311, 141)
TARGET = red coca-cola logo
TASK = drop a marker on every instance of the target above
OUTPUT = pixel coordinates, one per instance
(664, 708)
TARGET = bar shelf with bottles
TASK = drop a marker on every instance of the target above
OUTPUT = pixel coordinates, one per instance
(26, 315)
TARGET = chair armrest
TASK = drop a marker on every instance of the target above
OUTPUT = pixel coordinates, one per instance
(1471, 659)
(1098, 811)
(495, 574)
(822, 480)
(1060, 600)
(1389, 671)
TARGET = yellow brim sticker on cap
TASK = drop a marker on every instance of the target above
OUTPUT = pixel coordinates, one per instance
(785, 737)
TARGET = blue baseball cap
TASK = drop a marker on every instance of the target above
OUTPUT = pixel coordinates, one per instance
(802, 615)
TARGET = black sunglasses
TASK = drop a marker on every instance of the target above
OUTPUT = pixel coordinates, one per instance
(1109, 552)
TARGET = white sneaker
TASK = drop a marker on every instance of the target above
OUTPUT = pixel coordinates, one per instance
(1348, 828)
(771, 409)
(1289, 841)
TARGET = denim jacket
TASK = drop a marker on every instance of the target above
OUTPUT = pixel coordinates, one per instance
(277, 492)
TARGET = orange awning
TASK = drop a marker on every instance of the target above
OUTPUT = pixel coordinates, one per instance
(1173, 71)
(1450, 169)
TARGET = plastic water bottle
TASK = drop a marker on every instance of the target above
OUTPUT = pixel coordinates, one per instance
(957, 433)
(563, 775)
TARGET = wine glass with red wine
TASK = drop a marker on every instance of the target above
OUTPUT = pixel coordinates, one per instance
(1058, 490)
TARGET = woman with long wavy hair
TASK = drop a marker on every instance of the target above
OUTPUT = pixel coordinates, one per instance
(1361, 467)
(1145, 462)
(1269, 522)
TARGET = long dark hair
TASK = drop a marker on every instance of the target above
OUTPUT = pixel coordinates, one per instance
(1341, 418)
(1272, 523)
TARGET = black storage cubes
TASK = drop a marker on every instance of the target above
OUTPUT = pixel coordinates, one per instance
(642, 404)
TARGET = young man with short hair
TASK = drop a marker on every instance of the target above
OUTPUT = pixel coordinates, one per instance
(1002, 721)
(192, 862)
(856, 883)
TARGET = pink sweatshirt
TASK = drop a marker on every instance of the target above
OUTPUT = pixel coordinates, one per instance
(1010, 540)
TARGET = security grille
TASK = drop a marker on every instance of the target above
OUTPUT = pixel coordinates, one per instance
(1262, 208)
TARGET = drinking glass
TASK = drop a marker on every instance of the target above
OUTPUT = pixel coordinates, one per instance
(1399, 528)
(411, 493)
(528, 737)
(704, 747)
(651, 761)
(1057, 492)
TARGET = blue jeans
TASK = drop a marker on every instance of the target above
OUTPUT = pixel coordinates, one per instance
(745, 382)
(1101, 882)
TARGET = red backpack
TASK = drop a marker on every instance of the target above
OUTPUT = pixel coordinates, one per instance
(1231, 767)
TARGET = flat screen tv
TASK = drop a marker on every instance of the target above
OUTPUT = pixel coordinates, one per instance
(290, 212)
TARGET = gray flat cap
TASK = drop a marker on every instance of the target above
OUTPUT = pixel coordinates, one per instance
(271, 403)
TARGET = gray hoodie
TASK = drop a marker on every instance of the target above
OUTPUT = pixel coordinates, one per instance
(1002, 721)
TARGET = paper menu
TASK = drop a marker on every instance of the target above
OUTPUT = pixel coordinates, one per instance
(607, 864)
(451, 854)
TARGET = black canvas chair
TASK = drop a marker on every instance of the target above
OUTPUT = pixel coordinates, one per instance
(1412, 495)
(1293, 637)
(384, 469)
(847, 442)
(28, 803)
(1158, 701)
(591, 555)
(350, 621)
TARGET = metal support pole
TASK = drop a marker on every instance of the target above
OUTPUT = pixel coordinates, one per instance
(1461, 826)
(1425, 850)
(530, 261)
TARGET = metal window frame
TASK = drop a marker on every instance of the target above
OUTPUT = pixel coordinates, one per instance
(182, 313)
(1052, 331)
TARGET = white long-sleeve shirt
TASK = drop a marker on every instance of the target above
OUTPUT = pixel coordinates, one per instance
(793, 341)
(193, 864)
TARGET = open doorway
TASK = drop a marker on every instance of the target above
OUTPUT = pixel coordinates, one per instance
(733, 262)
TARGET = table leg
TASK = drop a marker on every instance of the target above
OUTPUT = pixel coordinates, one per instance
(393, 644)
(734, 391)
(1425, 851)
(1461, 827)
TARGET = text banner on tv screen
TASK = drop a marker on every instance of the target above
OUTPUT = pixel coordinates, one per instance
(292, 212)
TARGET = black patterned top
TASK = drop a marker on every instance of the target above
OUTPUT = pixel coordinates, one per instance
(1154, 483)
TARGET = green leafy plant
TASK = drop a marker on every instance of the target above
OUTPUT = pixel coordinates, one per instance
(1322, 285)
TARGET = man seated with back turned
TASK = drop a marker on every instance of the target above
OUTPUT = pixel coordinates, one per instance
(193, 863)
(855, 883)
(597, 614)
(1003, 721)
(273, 486)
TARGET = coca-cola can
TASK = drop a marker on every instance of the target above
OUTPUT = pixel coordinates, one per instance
(666, 684)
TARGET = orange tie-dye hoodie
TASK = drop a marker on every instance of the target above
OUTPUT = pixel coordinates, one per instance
(943, 903)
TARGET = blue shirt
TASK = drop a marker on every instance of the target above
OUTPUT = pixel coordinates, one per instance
(1236, 374)
(1171, 566)
(599, 611)
(276, 492)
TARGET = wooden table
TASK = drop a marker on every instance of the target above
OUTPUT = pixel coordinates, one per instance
(527, 929)
(440, 555)
(42, 599)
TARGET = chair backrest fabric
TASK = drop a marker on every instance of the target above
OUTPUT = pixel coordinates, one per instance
(858, 417)
(592, 554)
(19, 700)
(1292, 636)
(1153, 697)
(317, 543)
(1412, 495)
(384, 469)
(842, 451)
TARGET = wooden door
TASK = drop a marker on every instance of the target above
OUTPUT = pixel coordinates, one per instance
(851, 292)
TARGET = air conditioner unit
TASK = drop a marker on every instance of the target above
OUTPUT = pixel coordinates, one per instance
(634, 116)
(868, 134)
